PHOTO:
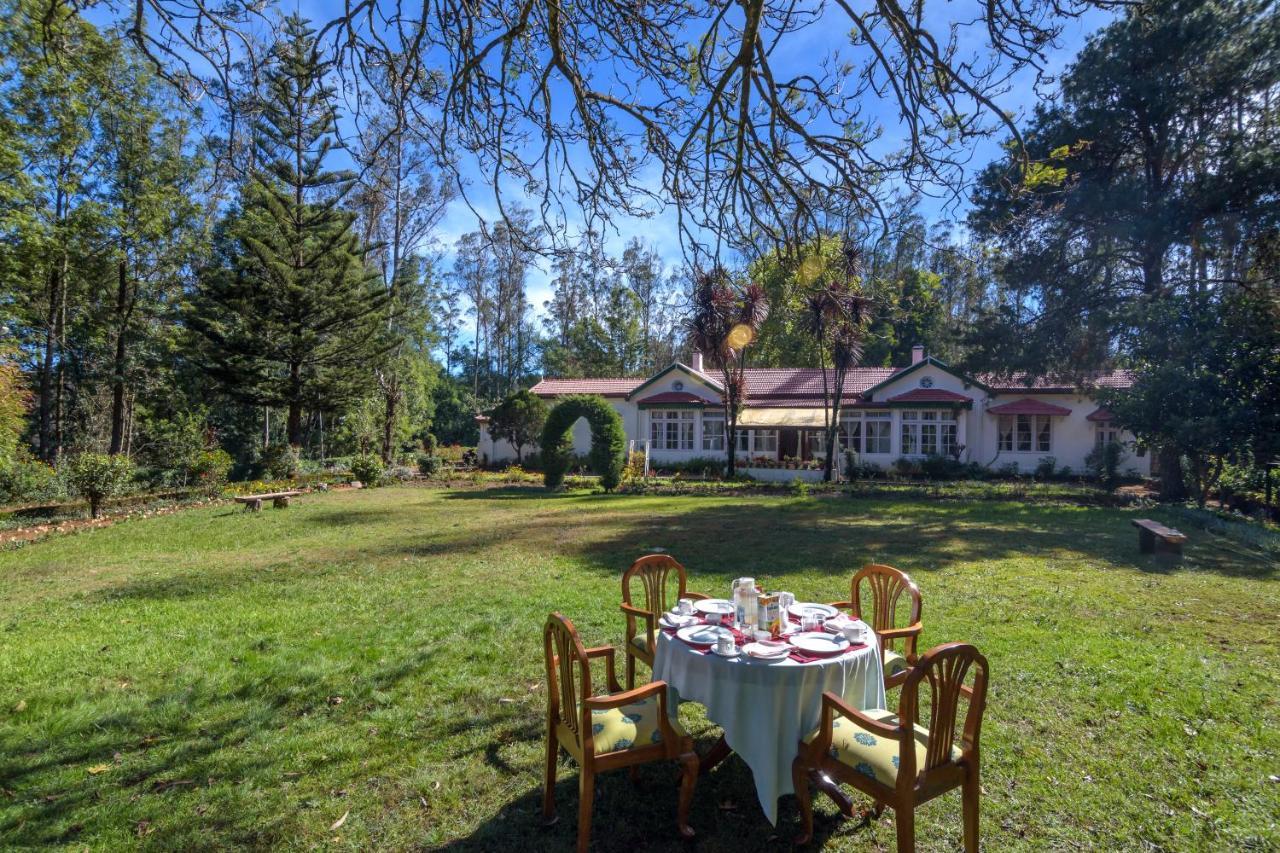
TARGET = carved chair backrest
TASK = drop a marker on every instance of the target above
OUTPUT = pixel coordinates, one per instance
(654, 574)
(946, 670)
(888, 586)
(568, 674)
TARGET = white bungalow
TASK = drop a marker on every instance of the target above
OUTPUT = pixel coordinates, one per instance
(925, 408)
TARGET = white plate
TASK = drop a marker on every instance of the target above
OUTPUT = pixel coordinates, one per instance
(760, 651)
(702, 635)
(819, 642)
(713, 605)
(672, 620)
(803, 609)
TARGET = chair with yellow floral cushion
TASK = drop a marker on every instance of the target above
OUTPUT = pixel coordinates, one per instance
(605, 730)
(903, 765)
(888, 587)
(656, 574)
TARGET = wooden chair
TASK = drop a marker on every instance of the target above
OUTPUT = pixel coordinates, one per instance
(654, 573)
(903, 765)
(888, 585)
(605, 731)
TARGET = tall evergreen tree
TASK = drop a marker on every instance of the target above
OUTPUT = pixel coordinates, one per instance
(292, 315)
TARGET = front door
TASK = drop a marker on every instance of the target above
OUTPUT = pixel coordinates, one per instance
(788, 443)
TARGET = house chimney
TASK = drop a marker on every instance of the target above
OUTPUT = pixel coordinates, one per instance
(917, 353)
(697, 360)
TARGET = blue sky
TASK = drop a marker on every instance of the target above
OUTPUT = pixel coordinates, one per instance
(801, 51)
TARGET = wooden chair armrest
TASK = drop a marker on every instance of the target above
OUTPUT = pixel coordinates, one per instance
(650, 621)
(841, 605)
(636, 611)
(626, 697)
(696, 596)
(610, 673)
(899, 633)
(833, 703)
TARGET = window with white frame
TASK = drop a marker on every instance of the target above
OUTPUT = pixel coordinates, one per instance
(876, 432)
(928, 432)
(851, 431)
(817, 443)
(713, 432)
(764, 441)
(1025, 433)
(1106, 433)
(671, 429)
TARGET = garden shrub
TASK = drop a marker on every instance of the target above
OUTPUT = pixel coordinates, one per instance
(608, 440)
(1104, 463)
(29, 481)
(210, 469)
(799, 488)
(1046, 468)
(429, 465)
(634, 470)
(280, 461)
(367, 468)
(97, 476)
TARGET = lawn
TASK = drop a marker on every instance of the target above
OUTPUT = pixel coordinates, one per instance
(364, 670)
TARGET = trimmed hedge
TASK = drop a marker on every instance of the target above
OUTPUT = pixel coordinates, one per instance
(608, 440)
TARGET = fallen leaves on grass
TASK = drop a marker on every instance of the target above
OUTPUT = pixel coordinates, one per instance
(340, 821)
(99, 768)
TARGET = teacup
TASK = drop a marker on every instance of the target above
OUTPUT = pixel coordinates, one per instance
(762, 636)
(852, 632)
(714, 618)
(684, 606)
(724, 644)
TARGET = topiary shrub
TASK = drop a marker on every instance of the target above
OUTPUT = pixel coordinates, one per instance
(97, 476)
(429, 465)
(280, 461)
(608, 440)
(367, 468)
(1103, 463)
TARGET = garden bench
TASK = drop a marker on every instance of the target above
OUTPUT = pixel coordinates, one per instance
(253, 503)
(1154, 537)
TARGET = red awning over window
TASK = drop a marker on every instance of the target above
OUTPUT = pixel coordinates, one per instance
(1028, 406)
(1100, 415)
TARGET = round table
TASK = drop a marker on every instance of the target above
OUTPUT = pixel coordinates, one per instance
(766, 708)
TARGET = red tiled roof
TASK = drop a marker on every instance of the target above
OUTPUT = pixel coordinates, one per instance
(603, 387)
(930, 395)
(668, 397)
(1099, 414)
(1028, 406)
(807, 381)
(1055, 384)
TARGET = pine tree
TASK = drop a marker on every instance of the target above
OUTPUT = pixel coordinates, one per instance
(293, 315)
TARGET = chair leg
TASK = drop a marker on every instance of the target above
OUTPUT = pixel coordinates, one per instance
(800, 781)
(905, 817)
(971, 793)
(631, 671)
(688, 779)
(586, 795)
(549, 780)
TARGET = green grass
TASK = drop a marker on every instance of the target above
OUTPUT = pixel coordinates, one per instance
(220, 679)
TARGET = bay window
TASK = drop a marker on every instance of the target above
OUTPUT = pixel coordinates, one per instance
(671, 429)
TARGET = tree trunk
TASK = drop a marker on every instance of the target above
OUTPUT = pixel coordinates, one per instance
(1173, 486)
(294, 426)
(118, 367)
(46, 367)
(388, 424)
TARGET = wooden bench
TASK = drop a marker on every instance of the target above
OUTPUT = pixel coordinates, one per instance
(253, 503)
(1155, 538)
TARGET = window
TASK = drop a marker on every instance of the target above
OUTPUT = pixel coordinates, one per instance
(1105, 434)
(928, 433)
(1025, 433)
(712, 432)
(851, 432)
(817, 443)
(877, 427)
(744, 440)
(671, 429)
(910, 433)
(765, 440)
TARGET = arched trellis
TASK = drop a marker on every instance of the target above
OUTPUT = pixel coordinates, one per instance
(608, 440)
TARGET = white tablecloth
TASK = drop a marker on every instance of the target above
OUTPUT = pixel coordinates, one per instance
(766, 708)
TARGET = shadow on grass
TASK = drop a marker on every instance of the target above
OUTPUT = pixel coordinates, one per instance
(178, 744)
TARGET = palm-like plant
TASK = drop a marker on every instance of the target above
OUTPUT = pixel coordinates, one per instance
(835, 315)
(725, 319)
